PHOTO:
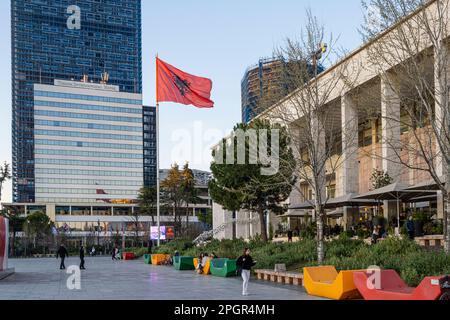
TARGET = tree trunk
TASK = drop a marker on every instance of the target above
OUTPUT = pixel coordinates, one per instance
(320, 237)
(262, 222)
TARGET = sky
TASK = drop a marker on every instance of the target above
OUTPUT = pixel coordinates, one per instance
(214, 39)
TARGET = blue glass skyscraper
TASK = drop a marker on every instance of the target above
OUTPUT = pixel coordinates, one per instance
(66, 39)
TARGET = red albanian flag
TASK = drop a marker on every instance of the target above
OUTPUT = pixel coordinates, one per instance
(174, 85)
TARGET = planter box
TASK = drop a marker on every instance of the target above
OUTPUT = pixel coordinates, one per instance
(128, 256)
(183, 263)
(223, 268)
(147, 259)
(159, 259)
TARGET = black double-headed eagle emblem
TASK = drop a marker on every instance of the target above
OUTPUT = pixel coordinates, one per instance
(182, 85)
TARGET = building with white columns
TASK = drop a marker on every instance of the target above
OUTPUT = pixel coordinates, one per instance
(371, 118)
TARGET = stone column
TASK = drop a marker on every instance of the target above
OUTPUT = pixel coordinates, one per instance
(349, 153)
(390, 115)
(391, 144)
(442, 118)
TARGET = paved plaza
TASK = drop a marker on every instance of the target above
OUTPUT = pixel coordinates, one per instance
(131, 280)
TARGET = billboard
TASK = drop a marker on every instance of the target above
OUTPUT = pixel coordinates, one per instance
(154, 233)
(4, 238)
(167, 233)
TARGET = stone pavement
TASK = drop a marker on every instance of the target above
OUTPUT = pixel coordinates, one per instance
(131, 280)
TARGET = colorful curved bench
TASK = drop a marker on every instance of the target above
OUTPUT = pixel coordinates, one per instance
(183, 263)
(223, 267)
(159, 259)
(394, 288)
(128, 256)
(147, 259)
(206, 268)
(326, 282)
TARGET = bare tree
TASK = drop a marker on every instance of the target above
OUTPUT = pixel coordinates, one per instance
(312, 112)
(412, 57)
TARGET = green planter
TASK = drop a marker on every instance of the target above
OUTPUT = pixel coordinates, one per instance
(223, 267)
(147, 259)
(183, 263)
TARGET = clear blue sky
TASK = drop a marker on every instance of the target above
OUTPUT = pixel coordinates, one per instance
(215, 39)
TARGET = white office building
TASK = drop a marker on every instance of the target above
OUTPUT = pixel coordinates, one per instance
(88, 143)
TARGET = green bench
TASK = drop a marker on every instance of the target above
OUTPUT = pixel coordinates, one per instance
(147, 259)
(183, 263)
(223, 267)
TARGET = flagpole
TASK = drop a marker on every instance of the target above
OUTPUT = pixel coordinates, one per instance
(158, 183)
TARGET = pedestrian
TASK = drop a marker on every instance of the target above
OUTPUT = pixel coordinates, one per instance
(93, 251)
(410, 228)
(290, 235)
(150, 247)
(82, 258)
(200, 266)
(114, 253)
(375, 234)
(245, 264)
(62, 252)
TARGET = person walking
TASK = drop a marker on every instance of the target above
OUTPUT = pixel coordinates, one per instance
(245, 264)
(114, 253)
(62, 252)
(82, 258)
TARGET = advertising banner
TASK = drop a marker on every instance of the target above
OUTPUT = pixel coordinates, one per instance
(154, 233)
(4, 238)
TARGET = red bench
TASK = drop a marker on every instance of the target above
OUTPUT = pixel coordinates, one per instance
(394, 288)
(128, 256)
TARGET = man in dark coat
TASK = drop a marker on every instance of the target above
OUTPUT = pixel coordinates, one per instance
(82, 258)
(410, 228)
(62, 252)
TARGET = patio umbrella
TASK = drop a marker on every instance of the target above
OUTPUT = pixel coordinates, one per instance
(397, 191)
(427, 185)
(349, 200)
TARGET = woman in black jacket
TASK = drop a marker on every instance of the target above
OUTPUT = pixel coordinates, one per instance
(245, 264)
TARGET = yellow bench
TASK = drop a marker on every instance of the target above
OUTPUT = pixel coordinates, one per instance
(159, 259)
(206, 268)
(326, 282)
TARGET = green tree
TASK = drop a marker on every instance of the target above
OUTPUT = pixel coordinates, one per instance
(189, 192)
(147, 202)
(172, 194)
(147, 206)
(38, 226)
(5, 175)
(247, 186)
(380, 179)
